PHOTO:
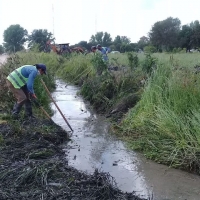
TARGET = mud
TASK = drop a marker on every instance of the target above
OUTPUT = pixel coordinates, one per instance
(33, 166)
(93, 146)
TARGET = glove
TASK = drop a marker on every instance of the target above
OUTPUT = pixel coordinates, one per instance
(33, 96)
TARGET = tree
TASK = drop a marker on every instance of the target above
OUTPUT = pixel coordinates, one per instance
(40, 36)
(97, 38)
(84, 44)
(2, 50)
(122, 48)
(125, 48)
(185, 37)
(104, 39)
(134, 47)
(125, 40)
(117, 40)
(122, 43)
(107, 40)
(149, 49)
(195, 38)
(164, 34)
(144, 41)
(128, 48)
(14, 38)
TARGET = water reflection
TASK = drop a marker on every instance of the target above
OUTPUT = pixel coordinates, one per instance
(93, 147)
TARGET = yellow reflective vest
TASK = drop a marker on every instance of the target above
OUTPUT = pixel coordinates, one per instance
(17, 79)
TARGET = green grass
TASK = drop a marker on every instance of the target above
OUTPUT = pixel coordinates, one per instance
(75, 68)
(165, 123)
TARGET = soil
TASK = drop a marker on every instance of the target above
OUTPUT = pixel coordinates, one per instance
(33, 166)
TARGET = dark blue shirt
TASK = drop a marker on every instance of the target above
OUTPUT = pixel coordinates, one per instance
(30, 72)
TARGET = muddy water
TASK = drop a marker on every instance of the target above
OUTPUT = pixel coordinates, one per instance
(93, 147)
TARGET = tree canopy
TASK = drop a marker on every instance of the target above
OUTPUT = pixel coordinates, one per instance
(185, 37)
(2, 49)
(195, 36)
(121, 43)
(144, 41)
(104, 39)
(40, 37)
(164, 34)
(84, 44)
(14, 38)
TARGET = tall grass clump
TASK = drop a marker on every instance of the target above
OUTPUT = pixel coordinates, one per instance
(99, 91)
(99, 64)
(133, 60)
(76, 68)
(100, 88)
(149, 63)
(109, 89)
(165, 122)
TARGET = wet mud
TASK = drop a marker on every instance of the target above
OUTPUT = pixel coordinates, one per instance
(93, 146)
(33, 166)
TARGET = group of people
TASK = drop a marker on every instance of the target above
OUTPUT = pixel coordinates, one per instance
(103, 50)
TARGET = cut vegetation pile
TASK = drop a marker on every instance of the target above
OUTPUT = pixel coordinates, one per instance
(34, 166)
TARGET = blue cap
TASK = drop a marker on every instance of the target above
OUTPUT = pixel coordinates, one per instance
(42, 66)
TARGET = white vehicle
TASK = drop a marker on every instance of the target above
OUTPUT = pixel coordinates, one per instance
(114, 52)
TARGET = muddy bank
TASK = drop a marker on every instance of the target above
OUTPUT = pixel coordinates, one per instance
(33, 166)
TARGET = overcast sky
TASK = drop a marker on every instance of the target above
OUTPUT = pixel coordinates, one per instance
(72, 21)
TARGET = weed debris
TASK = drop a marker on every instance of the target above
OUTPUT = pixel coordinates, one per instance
(33, 166)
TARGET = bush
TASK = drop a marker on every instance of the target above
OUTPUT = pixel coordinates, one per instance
(133, 60)
(149, 64)
(150, 49)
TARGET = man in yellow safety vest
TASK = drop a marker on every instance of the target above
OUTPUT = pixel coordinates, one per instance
(20, 83)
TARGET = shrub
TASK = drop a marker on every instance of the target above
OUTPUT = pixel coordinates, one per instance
(133, 60)
(150, 49)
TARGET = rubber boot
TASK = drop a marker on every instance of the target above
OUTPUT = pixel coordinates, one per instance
(16, 110)
(28, 109)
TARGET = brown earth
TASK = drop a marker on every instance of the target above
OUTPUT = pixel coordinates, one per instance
(33, 166)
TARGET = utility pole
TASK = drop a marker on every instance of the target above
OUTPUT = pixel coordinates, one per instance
(95, 23)
(53, 17)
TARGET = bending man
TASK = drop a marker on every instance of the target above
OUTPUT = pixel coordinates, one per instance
(20, 83)
(104, 51)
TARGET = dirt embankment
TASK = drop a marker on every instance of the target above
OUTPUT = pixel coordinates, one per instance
(33, 166)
